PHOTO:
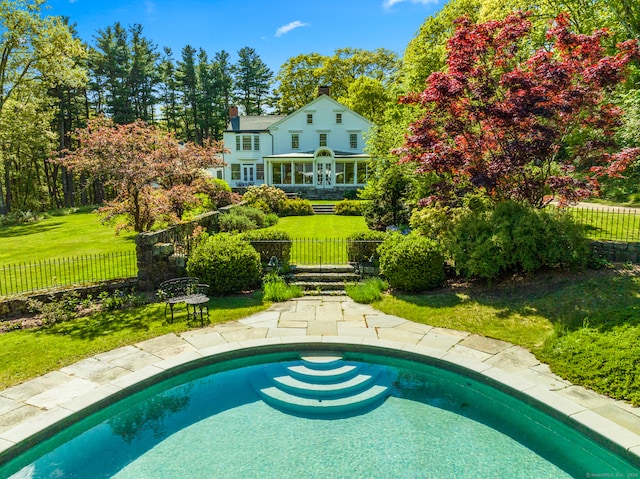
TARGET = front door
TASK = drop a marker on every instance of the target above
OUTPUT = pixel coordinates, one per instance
(324, 174)
(248, 174)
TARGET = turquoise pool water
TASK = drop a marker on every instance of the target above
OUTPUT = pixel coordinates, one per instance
(219, 422)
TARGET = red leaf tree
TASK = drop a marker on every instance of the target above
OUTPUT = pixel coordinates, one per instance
(150, 174)
(517, 124)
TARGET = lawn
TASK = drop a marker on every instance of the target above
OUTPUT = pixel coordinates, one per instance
(30, 353)
(61, 236)
(321, 227)
(585, 326)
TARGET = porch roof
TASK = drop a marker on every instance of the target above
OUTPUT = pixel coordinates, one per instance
(310, 154)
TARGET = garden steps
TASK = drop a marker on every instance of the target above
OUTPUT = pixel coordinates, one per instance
(323, 209)
(319, 386)
(322, 278)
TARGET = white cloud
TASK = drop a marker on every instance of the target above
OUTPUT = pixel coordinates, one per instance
(290, 26)
(391, 3)
(150, 7)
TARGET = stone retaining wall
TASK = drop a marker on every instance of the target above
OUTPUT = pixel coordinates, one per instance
(618, 252)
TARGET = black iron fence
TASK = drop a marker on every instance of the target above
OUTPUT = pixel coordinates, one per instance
(57, 273)
(316, 251)
(609, 223)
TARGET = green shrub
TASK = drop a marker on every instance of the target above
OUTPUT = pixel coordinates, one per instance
(270, 243)
(228, 223)
(270, 196)
(362, 246)
(254, 214)
(217, 193)
(228, 264)
(276, 289)
(296, 207)
(367, 291)
(412, 262)
(350, 208)
(515, 237)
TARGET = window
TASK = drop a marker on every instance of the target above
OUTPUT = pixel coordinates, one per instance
(219, 174)
(260, 172)
(353, 140)
(303, 173)
(323, 139)
(246, 142)
(276, 173)
(345, 173)
(309, 118)
(256, 142)
(237, 142)
(235, 172)
(339, 118)
(295, 141)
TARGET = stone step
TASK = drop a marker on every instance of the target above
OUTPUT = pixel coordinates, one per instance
(318, 285)
(325, 277)
(321, 407)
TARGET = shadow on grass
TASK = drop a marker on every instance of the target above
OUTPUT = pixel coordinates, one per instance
(149, 317)
(29, 229)
(602, 299)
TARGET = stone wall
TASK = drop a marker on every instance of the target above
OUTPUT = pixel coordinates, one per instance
(163, 254)
(618, 252)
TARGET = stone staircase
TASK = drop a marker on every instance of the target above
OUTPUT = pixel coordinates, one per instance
(322, 279)
(323, 385)
(323, 209)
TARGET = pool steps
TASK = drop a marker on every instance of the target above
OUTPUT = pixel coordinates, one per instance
(321, 386)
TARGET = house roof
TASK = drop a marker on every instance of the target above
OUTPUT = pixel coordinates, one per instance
(251, 123)
(311, 154)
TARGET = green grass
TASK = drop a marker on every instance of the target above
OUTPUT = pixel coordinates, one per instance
(61, 236)
(30, 353)
(321, 227)
(366, 291)
(586, 326)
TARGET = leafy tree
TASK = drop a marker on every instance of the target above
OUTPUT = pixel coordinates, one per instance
(499, 119)
(37, 53)
(298, 81)
(367, 97)
(150, 173)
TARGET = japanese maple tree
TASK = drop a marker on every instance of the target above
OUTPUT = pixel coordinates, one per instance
(151, 175)
(520, 124)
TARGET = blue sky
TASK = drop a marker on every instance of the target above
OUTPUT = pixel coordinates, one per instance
(276, 29)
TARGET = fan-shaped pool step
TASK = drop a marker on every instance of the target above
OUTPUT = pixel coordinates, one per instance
(323, 390)
(314, 375)
(319, 407)
(322, 361)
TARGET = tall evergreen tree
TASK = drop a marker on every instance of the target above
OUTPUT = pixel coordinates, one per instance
(252, 81)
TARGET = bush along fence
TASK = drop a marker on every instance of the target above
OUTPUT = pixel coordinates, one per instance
(57, 273)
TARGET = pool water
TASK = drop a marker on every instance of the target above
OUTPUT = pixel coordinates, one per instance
(217, 422)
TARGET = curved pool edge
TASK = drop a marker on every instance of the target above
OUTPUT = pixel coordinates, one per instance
(590, 421)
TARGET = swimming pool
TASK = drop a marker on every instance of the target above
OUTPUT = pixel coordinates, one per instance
(342, 414)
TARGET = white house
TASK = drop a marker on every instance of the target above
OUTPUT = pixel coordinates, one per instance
(318, 149)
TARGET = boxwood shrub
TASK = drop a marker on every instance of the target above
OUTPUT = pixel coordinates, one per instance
(411, 262)
(227, 263)
(296, 207)
(268, 243)
(350, 208)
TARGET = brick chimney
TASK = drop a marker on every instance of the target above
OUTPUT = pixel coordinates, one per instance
(323, 90)
(233, 112)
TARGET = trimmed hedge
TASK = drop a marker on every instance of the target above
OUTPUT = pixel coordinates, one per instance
(270, 243)
(350, 208)
(412, 262)
(296, 207)
(228, 264)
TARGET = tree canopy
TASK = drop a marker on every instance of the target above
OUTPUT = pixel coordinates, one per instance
(504, 120)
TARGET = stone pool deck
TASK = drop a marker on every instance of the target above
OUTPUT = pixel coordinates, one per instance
(29, 409)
